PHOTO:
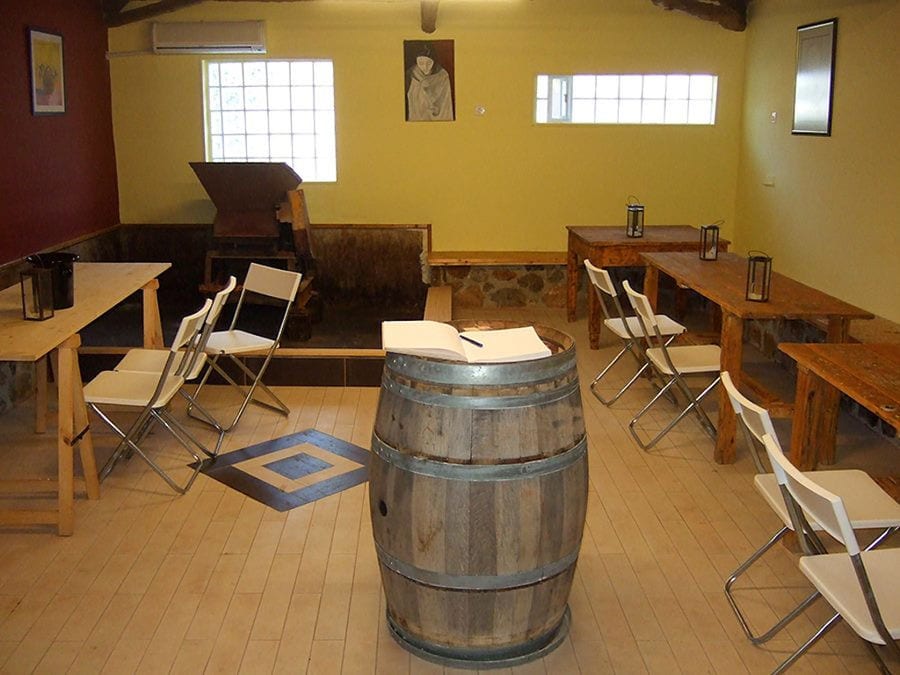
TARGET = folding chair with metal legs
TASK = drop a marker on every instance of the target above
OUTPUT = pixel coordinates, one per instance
(869, 506)
(149, 394)
(859, 584)
(626, 328)
(672, 364)
(274, 284)
(192, 363)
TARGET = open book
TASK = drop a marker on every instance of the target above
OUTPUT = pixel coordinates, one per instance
(442, 341)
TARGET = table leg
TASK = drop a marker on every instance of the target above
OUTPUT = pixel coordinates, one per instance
(651, 285)
(812, 434)
(40, 395)
(594, 318)
(732, 344)
(153, 336)
(571, 285)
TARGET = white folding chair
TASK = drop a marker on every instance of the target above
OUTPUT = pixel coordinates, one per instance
(626, 328)
(672, 364)
(149, 394)
(279, 286)
(192, 363)
(861, 585)
(868, 506)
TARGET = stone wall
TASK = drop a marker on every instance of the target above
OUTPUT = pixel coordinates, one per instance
(503, 285)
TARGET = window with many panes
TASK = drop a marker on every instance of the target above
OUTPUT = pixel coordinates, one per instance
(272, 111)
(626, 99)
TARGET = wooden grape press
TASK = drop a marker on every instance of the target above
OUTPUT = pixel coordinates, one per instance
(261, 216)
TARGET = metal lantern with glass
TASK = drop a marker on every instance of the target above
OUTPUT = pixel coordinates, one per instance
(759, 276)
(37, 294)
(709, 241)
(634, 222)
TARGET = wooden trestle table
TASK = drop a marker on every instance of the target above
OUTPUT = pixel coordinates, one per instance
(867, 373)
(723, 282)
(609, 246)
(98, 288)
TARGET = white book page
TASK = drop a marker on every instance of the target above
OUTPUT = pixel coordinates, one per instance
(422, 338)
(504, 345)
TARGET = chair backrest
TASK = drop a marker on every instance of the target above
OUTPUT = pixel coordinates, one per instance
(273, 282)
(755, 419)
(194, 358)
(603, 283)
(822, 506)
(218, 302)
(600, 278)
(186, 338)
(645, 313)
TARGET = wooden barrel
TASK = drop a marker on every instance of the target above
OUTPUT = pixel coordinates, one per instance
(478, 489)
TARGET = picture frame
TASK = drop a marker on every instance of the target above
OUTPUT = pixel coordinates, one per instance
(429, 70)
(814, 82)
(48, 93)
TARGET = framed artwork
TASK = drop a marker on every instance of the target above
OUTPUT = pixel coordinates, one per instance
(814, 84)
(429, 80)
(48, 94)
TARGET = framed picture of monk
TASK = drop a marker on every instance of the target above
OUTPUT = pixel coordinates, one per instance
(48, 94)
(429, 82)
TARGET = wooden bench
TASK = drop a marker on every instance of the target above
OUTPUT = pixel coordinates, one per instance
(495, 258)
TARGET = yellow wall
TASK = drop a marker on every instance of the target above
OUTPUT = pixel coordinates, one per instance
(832, 219)
(492, 182)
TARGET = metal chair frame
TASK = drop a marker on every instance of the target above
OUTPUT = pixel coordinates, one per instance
(155, 390)
(656, 345)
(621, 327)
(277, 284)
(828, 510)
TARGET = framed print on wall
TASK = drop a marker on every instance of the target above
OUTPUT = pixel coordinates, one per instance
(48, 94)
(430, 74)
(814, 84)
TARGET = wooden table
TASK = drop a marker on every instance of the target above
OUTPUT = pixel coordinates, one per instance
(724, 282)
(98, 288)
(867, 373)
(609, 246)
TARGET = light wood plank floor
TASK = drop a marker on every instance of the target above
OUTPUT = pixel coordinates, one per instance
(215, 582)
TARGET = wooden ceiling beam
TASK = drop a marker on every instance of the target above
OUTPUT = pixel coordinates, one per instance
(114, 16)
(429, 15)
(730, 14)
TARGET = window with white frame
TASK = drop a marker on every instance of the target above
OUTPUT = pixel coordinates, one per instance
(626, 99)
(272, 111)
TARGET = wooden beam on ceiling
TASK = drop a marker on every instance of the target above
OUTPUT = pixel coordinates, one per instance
(114, 16)
(429, 15)
(730, 14)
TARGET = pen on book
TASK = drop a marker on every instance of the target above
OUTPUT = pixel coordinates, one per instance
(471, 341)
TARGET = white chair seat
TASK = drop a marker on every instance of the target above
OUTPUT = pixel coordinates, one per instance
(236, 342)
(836, 580)
(154, 360)
(666, 325)
(130, 388)
(868, 506)
(687, 359)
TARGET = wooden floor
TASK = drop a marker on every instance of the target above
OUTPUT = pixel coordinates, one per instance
(215, 582)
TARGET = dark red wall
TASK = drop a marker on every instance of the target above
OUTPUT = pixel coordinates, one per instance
(57, 172)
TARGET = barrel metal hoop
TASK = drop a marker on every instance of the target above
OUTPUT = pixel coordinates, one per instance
(479, 374)
(479, 402)
(482, 657)
(465, 582)
(479, 472)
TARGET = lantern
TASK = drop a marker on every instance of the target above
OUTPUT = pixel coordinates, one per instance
(634, 222)
(759, 276)
(709, 241)
(37, 294)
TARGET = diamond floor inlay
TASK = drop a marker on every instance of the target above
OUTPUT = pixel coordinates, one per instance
(290, 471)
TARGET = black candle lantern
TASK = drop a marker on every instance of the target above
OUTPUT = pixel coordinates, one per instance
(709, 241)
(634, 222)
(37, 294)
(759, 276)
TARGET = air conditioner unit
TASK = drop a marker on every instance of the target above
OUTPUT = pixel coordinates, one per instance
(208, 37)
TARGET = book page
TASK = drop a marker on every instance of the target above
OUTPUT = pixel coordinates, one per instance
(422, 338)
(504, 345)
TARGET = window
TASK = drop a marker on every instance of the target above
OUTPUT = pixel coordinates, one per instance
(272, 111)
(626, 99)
